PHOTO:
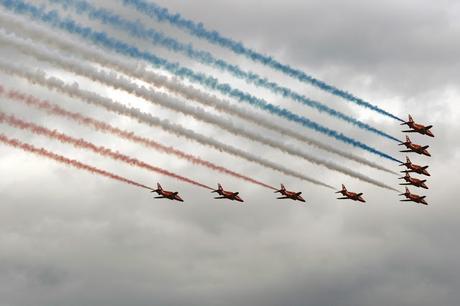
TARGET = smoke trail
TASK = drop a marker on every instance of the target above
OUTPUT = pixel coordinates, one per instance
(197, 29)
(81, 143)
(137, 29)
(166, 101)
(186, 91)
(101, 38)
(134, 113)
(104, 127)
(67, 161)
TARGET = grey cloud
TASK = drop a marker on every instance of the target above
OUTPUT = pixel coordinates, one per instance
(69, 238)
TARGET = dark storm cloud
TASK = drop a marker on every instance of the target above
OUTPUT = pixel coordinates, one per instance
(68, 238)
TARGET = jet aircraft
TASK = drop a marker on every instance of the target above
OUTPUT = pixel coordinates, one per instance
(412, 147)
(227, 194)
(163, 194)
(413, 181)
(350, 195)
(418, 128)
(411, 197)
(296, 196)
(414, 168)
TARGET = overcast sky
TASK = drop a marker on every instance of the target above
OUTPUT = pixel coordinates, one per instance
(68, 237)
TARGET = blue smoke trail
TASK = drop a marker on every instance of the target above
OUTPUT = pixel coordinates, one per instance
(101, 38)
(139, 30)
(197, 29)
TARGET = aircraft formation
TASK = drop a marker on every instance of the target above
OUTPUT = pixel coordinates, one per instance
(348, 195)
(411, 167)
(94, 47)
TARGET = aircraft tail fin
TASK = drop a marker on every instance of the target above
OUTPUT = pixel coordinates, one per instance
(219, 188)
(158, 188)
(407, 192)
(281, 189)
(405, 175)
(410, 120)
(343, 189)
(408, 162)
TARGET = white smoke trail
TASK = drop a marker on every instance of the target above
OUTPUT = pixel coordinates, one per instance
(101, 126)
(42, 33)
(13, 121)
(94, 99)
(164, 100)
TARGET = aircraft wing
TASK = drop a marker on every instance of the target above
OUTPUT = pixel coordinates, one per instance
(359, 194)
(343, 198)
(426, 128)
(406, 200)
(406, 151)
(220, 198)
(283, 198)
(424, 147)
(160, 197)
(409, 131)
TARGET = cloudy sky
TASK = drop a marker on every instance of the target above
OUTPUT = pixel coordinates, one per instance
(68, 237)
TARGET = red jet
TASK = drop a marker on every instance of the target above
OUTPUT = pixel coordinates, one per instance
(414, 147)
(418, 128)
(350, 195)
(414, 168)
(290, 194)
(411, 197)
(172, 195)
(227, 194)
(413, 181)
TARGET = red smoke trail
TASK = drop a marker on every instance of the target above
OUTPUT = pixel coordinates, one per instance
(81, 143)
(101, 126)
(70, 162)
